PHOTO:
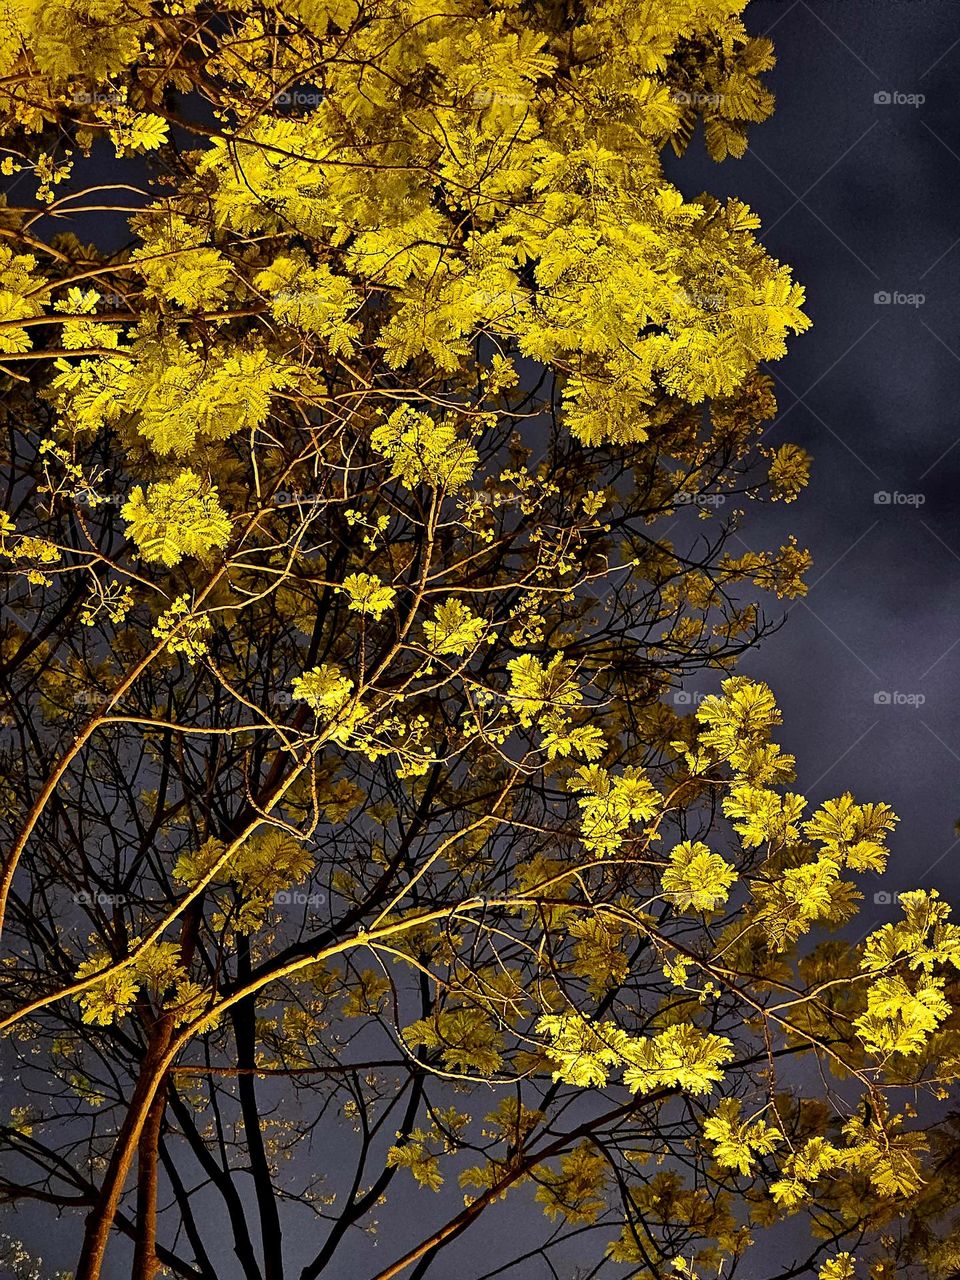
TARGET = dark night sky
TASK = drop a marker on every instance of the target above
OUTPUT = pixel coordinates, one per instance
(860, 197)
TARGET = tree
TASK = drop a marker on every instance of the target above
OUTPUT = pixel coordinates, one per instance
(360, 514)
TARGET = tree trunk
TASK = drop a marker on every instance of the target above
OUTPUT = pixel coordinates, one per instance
(101, 1217)
(145, 1261)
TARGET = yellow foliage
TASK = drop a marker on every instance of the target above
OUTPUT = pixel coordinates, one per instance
(696, 877)
(176, 518)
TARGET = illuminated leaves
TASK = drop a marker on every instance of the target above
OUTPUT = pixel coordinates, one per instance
(21, 291)
(610, 803)
(804, 1166)
(422, 451)
(264, 865)
(194, 865)
(174, 396)
(110, 998)
(789, 472)
(454, 629)
(810, 888)
(901, 1016)
(80, 333)
(157, 970)
(697, 878)
(535, 688)
(35, 553)
(875, 1146)
(368, 594)
(782, 573)
(416, 1156)
(738, 1143)
(574, 1191)
(179, 263)
(582, 1053)
(176, 518)
(758, 814)
(600, 953)
(853, 834)
(584, 740)
(326, 689)
(681, 1057)
(137, 131)
(183, 630)
(71, 42)
(903, 1007)
(367, 995)
(744, 713)
(839, 1267)
(463, 249)
(467, 1039)
(420, 1153)
(313, 299)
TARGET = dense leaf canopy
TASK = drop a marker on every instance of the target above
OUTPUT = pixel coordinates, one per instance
(365, 510)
